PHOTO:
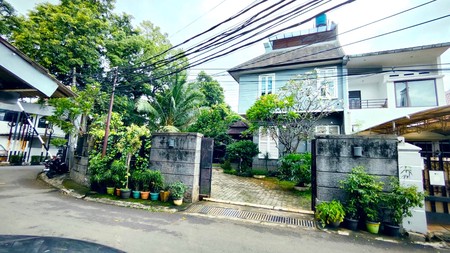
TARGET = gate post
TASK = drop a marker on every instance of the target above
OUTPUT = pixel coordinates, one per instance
(177, 156)
(410, 167)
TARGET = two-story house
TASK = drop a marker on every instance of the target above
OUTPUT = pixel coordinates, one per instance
(372, 88)
(286, 57)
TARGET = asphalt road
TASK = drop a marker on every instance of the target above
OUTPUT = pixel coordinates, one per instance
(30, 207)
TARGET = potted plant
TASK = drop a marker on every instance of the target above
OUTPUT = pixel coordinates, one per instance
(164, 193)
(177, 190)
(145, 180)
(156, 184)
(330, 213)
(398, 203)
(363, 195)
(137, 179)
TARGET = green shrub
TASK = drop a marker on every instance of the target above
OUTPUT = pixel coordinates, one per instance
(36, 159)
(177, 190)
(259, 172)
(226, 165)
(296, 168)
(243, 152)
(15, 159)
(231, 172)
(329, 212)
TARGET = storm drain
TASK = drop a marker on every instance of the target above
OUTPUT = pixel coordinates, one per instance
(233, 213)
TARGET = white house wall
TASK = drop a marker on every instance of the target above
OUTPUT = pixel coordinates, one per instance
(380, 88)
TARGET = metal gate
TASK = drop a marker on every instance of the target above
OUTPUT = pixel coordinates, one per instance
(206, 167)
(436, 176)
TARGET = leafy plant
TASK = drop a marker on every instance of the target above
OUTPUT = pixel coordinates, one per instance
(243, 152)
(400, 201)
(177, 190)
(363, 192)
(295, 167)
(136, 177)
(226, 165)
(156, 181)
(259, 172)
(329, 212)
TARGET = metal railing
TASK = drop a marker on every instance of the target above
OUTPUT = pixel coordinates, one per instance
(356, 103)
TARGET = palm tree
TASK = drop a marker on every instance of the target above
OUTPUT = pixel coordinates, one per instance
(173, 109)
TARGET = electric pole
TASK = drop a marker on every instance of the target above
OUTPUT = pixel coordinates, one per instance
(108, 120)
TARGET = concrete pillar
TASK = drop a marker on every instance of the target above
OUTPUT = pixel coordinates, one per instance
(177, 156)
(410, 166)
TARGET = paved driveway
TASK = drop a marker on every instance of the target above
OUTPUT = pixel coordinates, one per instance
(254, 191)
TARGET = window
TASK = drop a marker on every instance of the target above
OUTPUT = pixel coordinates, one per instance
(328, 129)
(415, 93)
(327, 82)
(266, 84)
(267, 144)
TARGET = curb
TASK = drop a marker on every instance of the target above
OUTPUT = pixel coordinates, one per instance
(72, 193)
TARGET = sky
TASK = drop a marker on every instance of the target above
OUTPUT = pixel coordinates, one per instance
(182, 19)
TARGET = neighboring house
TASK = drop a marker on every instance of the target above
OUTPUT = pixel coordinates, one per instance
(373, 87)
(285, 58)
(20, 77)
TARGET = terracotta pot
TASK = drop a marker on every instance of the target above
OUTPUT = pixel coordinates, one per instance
(118, 192)
(144, 195)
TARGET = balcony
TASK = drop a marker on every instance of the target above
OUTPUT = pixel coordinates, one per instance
(356, 103)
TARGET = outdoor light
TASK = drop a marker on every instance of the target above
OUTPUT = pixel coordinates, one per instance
(357, 151)
(171, 143)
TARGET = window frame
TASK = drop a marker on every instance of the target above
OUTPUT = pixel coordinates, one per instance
(327, 127)
(260, 84)
(408, 96)
(271, 145)
(328, 75)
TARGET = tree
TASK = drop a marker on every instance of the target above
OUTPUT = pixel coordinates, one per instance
(291, 115)
(210, 88)
(8, 19)
(175, 107)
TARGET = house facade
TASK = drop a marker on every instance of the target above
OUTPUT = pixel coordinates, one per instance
(369, 88)
(20, 79)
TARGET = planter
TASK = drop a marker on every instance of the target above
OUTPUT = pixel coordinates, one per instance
(144, 195)
(351, 224)
(154, 196)
(391, 230)
(373, 227)
(125, 193)
(334, 224)
(136, 194)
(164, 195)
(178, 202)
(118, 192)
(259, 176)
(110, 190)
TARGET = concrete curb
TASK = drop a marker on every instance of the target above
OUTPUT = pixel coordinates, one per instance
(57, 184)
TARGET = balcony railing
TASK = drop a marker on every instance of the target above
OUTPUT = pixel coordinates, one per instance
(356, 103)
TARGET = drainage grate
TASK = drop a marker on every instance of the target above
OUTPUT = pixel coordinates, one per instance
(227, 212)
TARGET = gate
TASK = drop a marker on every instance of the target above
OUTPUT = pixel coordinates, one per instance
(206, 167)
(436, 176)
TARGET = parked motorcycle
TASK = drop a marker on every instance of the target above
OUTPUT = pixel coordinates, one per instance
(55, 166)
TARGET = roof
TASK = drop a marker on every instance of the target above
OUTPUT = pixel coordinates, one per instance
(401, 50)
(13, 82)
(434, 121)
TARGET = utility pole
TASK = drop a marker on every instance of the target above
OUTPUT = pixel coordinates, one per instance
(108, 120)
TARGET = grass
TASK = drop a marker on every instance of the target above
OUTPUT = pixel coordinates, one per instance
(70, 184)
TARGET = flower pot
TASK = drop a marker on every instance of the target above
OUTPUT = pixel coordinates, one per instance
(164, 195)
(334, 224)
(373, 227)
(118, 192)
(178, 202)
(136, 194)
(391, 230)
(351, 224)
(154, 196)
(144, 195)
(259, 176)
(110, 190)
(125, 193)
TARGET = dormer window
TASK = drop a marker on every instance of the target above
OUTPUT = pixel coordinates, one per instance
(266, 84)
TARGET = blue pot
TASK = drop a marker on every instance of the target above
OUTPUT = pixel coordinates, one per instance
(136, 194)
(154, 195)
